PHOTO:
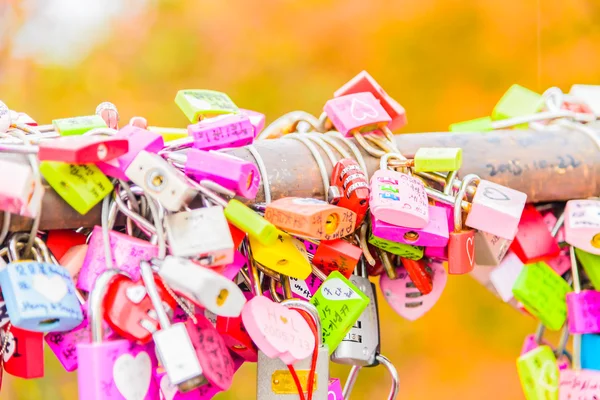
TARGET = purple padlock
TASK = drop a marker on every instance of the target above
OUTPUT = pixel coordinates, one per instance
(334, 391)
(256, 119)
(139, 139)
(113, 370)
(435, 233)
(228, 130)
(583, 311)
(231, 172)
(127, 252)
(231, 271)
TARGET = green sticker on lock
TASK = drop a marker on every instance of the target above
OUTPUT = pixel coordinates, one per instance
(198, 104)
(430, 159)
(539, 374)
(340, 304)
(82, 186)
(401, 249)
(483, 124)
(517, 101)
(78, 125)
(250, 222)
(543, 293)
(591, 265)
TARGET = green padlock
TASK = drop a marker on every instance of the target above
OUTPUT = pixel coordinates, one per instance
(401, 249)
(483, 124)
(198, 104)
(431, 159)
(81, 185)
(340, 304)
(78, 125)
(539, 374)
(250, 222)
(517, 101)
(591, 265)
(543, 293)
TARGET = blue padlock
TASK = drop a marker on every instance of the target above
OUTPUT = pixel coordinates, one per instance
(590, 351)
(40, 296)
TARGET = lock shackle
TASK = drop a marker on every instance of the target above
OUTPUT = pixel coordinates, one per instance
(15, 243)
(118, 196)
(152, 290)
(273, 290)
(96, 302)
(353, 375)
(462, 193)
(312, 310)
(574, 270)
(383, 162)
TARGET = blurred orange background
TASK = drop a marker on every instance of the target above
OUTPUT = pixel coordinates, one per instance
(444, 60)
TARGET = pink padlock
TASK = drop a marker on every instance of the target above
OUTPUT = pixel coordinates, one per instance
(334, 391)
(230, 271)
(127, 252)
(437, 253)
(363, 82)
(19, 193)
(397, 198)
(550, 221)
(117, 369)
(582, 225)
(435, 233)
(139, 139)
(73, 260)
(229, 130)
(303, 289)
(256, 119)
(496, 209)
(579, 384)
(583, 311)
(231, 172)
(356, 113)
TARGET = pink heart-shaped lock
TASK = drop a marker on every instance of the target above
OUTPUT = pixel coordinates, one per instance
(397, 291)
(278, 331)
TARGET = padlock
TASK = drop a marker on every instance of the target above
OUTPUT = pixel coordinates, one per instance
(224, 131)
(201, 285)
(39, 296)
(349, 188)
(73, 260)
(398, 198)
(403, 250)
(78, 125)
(461, 244)
(363, 82)
(542, 292)
(533, 241)
(419, 273)
(82, 149)
(496, 209)
(287, 256)
(81, 186)
(490, 249)
(274, 380)
(504, 276)
(353, 375)
(582, 225)
(174, 346)
(250, 222)
(337, 255)
(583, 307)
(302, 289)
(311, 218)
(404, 297)
(591, 265)
(539, 374)
(429, 159)
(108, 112)
(590, 345)
(579, 384)
(435, 233)
(517, 101)
(59, 241)
(19, 192)
(198, 104)
(356, 113)
(256, 119)
(361, 344)
(340, 304)
(160, 181)
(126, 251)
(24, 353)
(231, 172)
(128, 308)
(116, 369)
(236, 337)
(202, 233)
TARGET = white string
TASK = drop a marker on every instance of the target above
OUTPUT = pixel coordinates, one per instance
(353, 148)
(317, 157)
(317, 139)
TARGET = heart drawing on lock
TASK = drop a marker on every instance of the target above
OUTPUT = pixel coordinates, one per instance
(494, 194)
(54, 289)
(405, 299)
(470, 248)
(136, 293)
(167, 389)
(359, 110)
(290, 341)
(132, 375)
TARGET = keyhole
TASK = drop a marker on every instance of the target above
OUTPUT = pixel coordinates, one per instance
(157, 180)
(596, 241)
(102, 151)
(222, 297)
(49, 322)
(250, 179)
(411, 236)
(331, 224)
(282, 262)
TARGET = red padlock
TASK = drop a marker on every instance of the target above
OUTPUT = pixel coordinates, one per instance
(59, 241)
(350, 188)
(236, 337)
(533, 241)
(24, 354)
(337, 255)
(82, 149)
(129, 311)
(461, 244)
(417, 271)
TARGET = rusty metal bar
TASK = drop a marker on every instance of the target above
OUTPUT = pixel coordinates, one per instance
(548, 166)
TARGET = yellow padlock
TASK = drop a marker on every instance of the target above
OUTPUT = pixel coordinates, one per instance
(286, 256)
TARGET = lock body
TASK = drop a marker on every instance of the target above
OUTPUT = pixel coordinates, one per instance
(428, 159)
(360, 112)
(517, 101)
(582, 384)
(19, 193)
(504, 276)
(256, 119)
(236, 338)
(73, 260)
(539, 374)
(78, 125)
(435, 233)
(400, 249)
(286, 256)
(198, 104)
(24, 355)
(233, 130)
(82, 149)
(351, 188)
(490, 249)
(533, 241)
(590, 345)
(59, 241)
(583, 311)
(461, 252)
(250, 222)
(591, 264)
(398, 199)
(337, 255)
(582, 225)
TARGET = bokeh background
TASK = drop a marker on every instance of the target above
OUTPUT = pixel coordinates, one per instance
(444, 60)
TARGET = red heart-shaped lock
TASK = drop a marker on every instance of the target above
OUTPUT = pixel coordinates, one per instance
(129, 311)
